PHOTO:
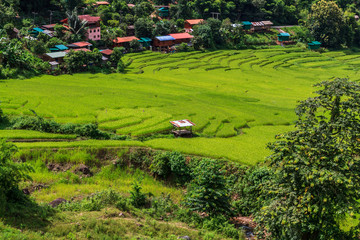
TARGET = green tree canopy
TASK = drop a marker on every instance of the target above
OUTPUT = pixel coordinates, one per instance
(316, 168)
(143, 27)
(207, 191)
(326, 23)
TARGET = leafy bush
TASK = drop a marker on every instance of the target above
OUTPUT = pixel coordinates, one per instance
(207, 192)
(11, 174)
(221, 224)
(162, 206)
(248, 189)
(137, 198)
(160, 164)
(165, 164)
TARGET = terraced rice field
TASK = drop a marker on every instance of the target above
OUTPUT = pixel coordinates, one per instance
(221, 91)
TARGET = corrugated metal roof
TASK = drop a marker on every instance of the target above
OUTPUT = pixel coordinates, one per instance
(267, 23)
(284, 34)
(257, 24)
(107, 52)
(56, 54)
(246, 23)
(181, 36)
(145, 39)
(125, 39)
(165, 38)
(61, 47)
(38, 29)
(182, 123)
(54, 63)
(194, 21)
(80, 44)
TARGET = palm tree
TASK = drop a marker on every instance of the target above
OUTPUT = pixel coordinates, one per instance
(76, 26)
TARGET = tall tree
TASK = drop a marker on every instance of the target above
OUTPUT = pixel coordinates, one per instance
(207, 191)
(326, 22)
(143, 27)
(316, 168)
(76, 26)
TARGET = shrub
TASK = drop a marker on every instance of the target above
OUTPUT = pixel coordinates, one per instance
(207, 192)
(160, 165)
(179, 167)
(248, 189)
(137, 198)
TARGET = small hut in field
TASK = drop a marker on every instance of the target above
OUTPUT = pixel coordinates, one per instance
(182, 128)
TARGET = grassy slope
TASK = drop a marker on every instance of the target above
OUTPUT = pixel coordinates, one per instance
(220, 91)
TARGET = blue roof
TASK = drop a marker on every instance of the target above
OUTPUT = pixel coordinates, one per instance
(164, 9)
(246, 23)
(316, 43)
(284, 34)
(38, 29)
(61, 47)
(165, 38)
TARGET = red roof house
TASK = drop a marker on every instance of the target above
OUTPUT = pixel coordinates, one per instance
(190, 23)
(181, 37)
(124, 41)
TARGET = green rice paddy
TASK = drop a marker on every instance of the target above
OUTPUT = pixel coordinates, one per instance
(221, 92)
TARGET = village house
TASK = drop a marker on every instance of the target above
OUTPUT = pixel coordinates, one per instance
(124, 41)
(190, 23)
(181, 37)
(55, 57)
(163, 43)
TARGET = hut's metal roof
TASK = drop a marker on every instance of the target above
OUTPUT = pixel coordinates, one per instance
(284, 34)
(246, 23)
(182, 123)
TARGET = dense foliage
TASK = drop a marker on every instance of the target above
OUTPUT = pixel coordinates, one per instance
(316, 168)
(207, 191)
(11, 174)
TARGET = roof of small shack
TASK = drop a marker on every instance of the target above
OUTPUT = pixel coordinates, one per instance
(182, 123)
(284, 34)
(246, 23)
(56, 54)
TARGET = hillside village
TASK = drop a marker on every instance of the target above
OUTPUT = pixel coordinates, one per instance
(93, 31)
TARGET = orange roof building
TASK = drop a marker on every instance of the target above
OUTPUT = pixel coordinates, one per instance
(192, 22)
(124, 41)
(181, 37)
